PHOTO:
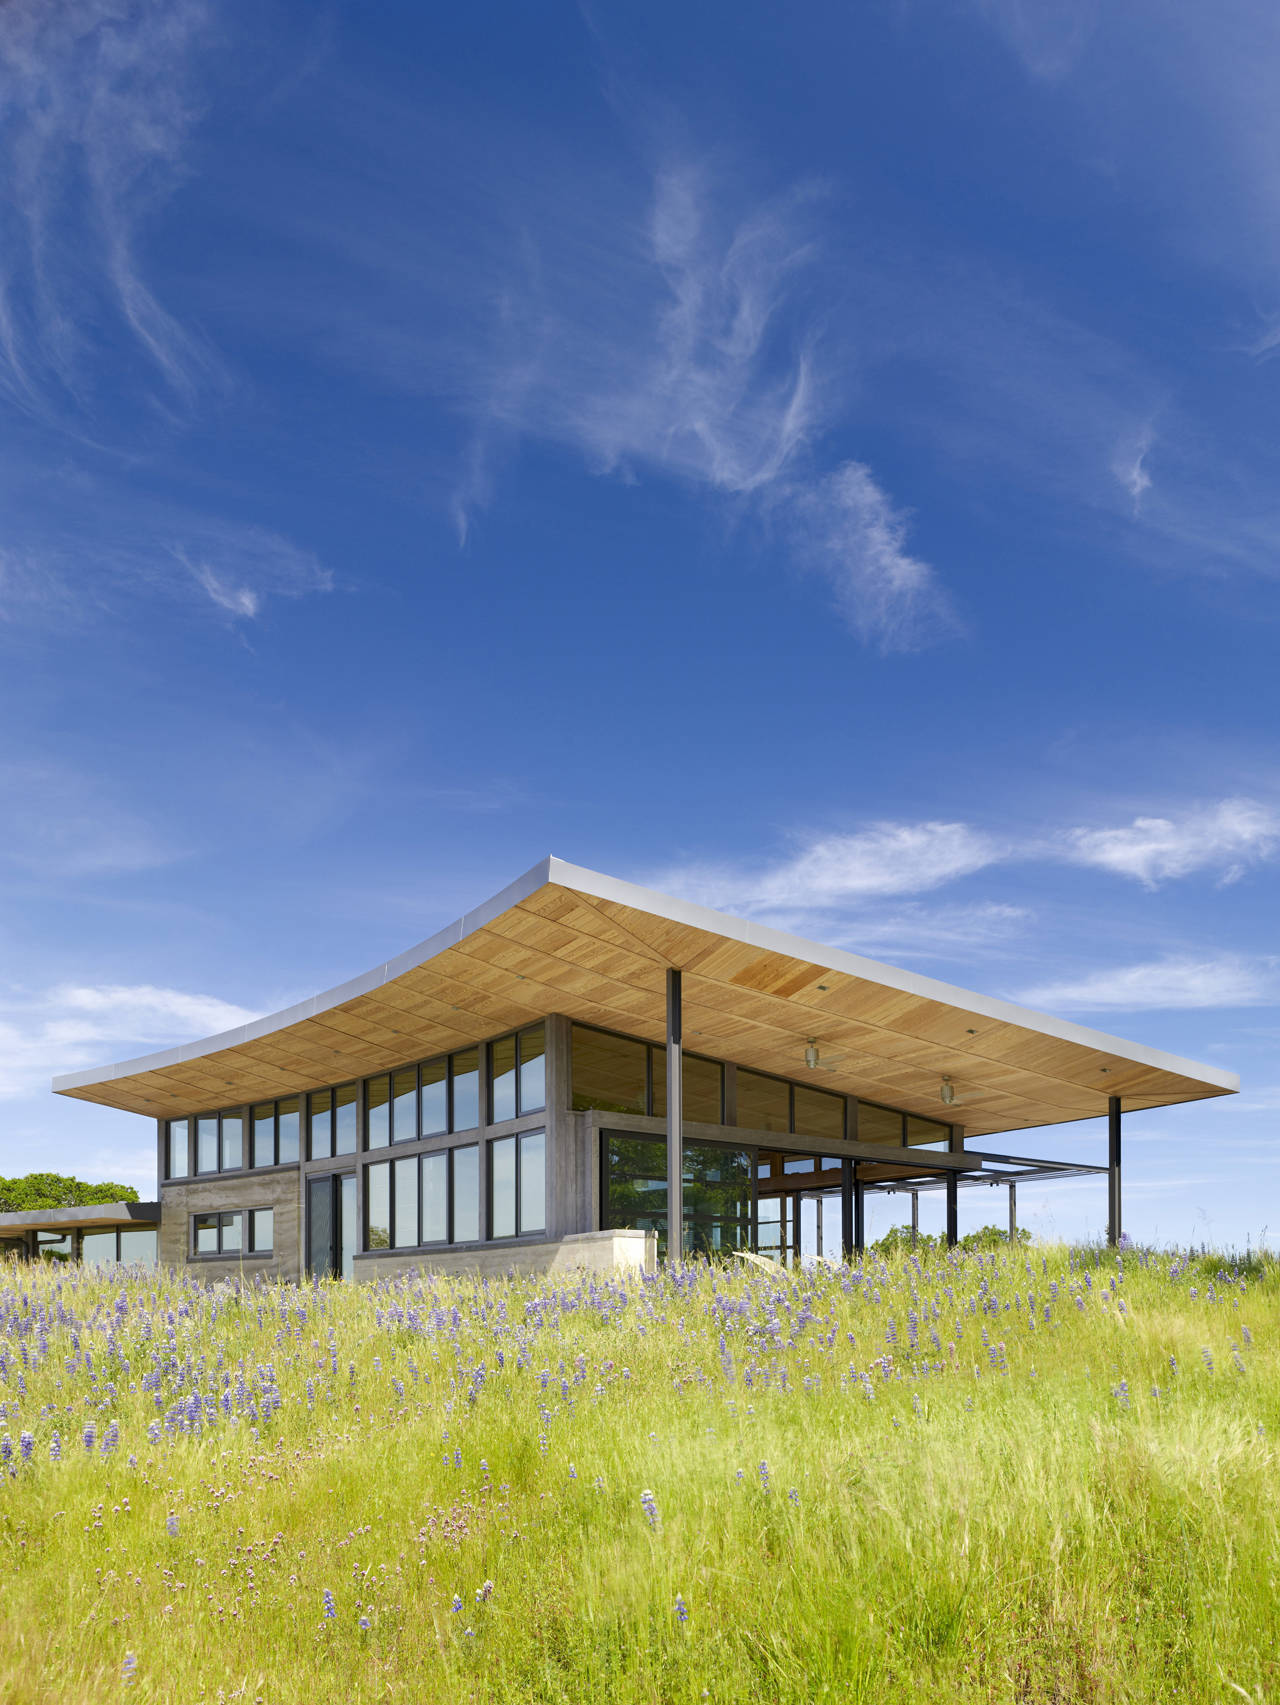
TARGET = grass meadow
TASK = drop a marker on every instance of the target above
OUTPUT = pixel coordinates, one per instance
(1037, 1475)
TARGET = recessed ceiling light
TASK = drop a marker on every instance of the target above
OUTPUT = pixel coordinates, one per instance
(823, 987)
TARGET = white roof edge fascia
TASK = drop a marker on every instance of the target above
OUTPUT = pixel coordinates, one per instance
(601, 887)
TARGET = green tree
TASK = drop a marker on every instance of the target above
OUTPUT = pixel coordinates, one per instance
(53, 1190)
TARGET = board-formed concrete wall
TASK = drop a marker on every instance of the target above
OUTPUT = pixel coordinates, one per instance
(222, 1193)
(591, 1251)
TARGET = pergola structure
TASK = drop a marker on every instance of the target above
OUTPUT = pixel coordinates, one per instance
(570, 953)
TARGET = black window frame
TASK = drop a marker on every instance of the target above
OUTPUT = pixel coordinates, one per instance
(390, 1160)
(518, 1138)
(169, 1173)
(244, 1115)
(517, 1037)
(224, 1216)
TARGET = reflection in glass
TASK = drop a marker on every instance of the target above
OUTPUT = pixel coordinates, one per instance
(818, 1113)
(502, 1093)
(347, 1224)
(502, 1184)
(207, 1145)
(262, 1228)
(320, 1227)
(466, 1089)
(232, 1142)
(345, 1114)
(434, 1097)
(288, 1129)
(206, 1227)
(138, 1243)
(878, 1124)
(179, 1157)
(98, 1248)
(377, 1112)
(533, 1182)
(322, 1124)
(264, 1134)
(406, 1203)
(703, 1088)
(927, 1133)
(377, 1205)
(231, 1228)
(717, 1191)
(533, 1069)
(764, 1103)
(609, 1072)
(435, 1197)
(466, 1194)
(404, 1105)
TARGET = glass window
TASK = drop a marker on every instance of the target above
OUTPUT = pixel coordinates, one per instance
(434, 1097)
(138, 1243)
(533, 1182)
(878, 1124)
(466, 1194)
(322, 1125)
(377, 1112)
(231, 1230)
(703, 1088)
(206, 1234)
(232, 1142)
(502, 1175)
(405, 1203)
(609, 1072)
(264, 1134)
(465, 1071)
(818, 1113)
(717, 1191)
(262, 1230)
(764, 1103)
(502, 1090)
(98, 1248)
(533, 1068)
(207, 1144)
(178, 1158)
(927, 1133)
(404, 1105)
(287, 1123)
(377, 1205)
(435, 1197)
(345, 1118)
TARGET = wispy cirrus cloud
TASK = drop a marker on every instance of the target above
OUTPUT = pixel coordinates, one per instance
(59, 821)
(1176, 981)
(96, 113)
(1226, 838)
(74, 1026)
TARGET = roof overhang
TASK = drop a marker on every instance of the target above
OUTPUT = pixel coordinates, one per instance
(96, 1216)
(567, 940)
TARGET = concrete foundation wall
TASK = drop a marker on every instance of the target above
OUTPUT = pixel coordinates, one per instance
(277, 1189)
(591, 1251)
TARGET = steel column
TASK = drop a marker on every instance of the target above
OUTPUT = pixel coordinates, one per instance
(1013, 1212)
(846, 1209)
(915, 1217)
(953, 1218)
(859, 1216)
(675, 1117)
(1113, 1170)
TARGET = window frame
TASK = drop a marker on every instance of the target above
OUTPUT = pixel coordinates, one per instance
(416, 1161)
(248, 1249)
(521, 1231)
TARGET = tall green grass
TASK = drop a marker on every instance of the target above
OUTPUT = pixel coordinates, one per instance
(1083, 1507)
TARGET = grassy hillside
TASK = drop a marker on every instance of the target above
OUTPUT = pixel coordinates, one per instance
(1027, 1475)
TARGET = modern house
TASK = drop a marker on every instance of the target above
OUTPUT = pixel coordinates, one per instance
(577, 1065)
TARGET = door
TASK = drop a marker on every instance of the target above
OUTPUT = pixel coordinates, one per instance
(331, 1224)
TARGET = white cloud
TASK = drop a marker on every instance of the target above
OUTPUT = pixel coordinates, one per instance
(1049, 36)
(1226, 980)
(834, 871)
(1129, 465)
(1227, 838)
(96, 114)
(74, 1026)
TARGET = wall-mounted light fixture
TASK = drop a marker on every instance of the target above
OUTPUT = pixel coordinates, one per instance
(947, 1092)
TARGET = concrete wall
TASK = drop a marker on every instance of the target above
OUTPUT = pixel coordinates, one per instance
(592, 1251)
(277, 1188)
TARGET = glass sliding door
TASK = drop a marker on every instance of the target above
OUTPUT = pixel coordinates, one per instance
(331, 1224)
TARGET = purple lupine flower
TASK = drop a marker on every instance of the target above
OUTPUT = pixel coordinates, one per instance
(111, 1438)
(26, 1444)
(129, 1669)
(89, 1436)
(171, 1526)
(364, 1624)
(649, 1504)
(682, 1609)
(484, 1593)
(764, 1476)
(55, 1448)
(457, 1604)
(330, 1608)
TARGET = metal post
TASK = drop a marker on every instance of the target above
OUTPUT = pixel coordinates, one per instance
(1113, 1170)
(953, 1227)
(675, 1118)
(859, 1216)
(846, 1209)
(1013, 1212)
(915, 1217)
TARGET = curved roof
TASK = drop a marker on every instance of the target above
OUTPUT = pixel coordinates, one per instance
(566, 940)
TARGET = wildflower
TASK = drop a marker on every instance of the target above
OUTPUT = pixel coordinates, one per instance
(26, 1444)
(55, 1448)
(129, 1669)
(794, 1495)
(364, 1624)
(330, 1608)
(484, 1593)
(457, 1604)
(764, 1476)
(171, 1526)
(89, 1436)
(649, 1504)
(682, 1609)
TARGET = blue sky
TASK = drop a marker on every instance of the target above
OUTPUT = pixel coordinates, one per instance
(818, 460)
